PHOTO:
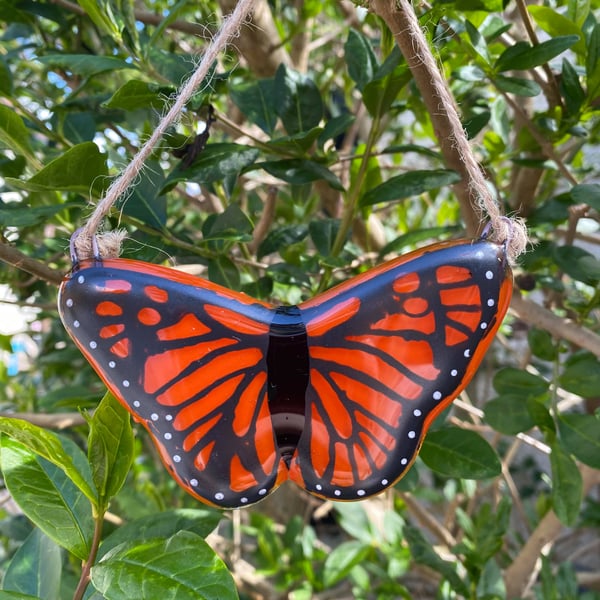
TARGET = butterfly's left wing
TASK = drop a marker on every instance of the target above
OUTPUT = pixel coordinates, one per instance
(188, 359)
(388, 351)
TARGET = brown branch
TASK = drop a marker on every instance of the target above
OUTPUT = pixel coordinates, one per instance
(257, 43)
(265, 221)
(518, 575)
(537, 315)
(12, 256)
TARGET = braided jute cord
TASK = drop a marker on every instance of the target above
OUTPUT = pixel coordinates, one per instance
(108, 244)
(402, 20)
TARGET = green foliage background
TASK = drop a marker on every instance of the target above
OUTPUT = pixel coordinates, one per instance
(322, 161)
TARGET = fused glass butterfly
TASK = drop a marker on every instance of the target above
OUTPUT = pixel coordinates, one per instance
(335, 394)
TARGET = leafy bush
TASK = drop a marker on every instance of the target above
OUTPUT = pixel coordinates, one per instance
(322, 160)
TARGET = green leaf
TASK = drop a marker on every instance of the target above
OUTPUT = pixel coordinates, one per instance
(542, 344)
(54, 448)
(14, 133)
(231, 224)
(578, 264)
(101, 14)
(19, 214)
(297, 100)
(522, 56)
(491, 584)
(592, 62)
(323, 233)
(182, 566)
(423, 553)
(578, 11)
(541, 417)
(342, 559)
(509, 414)
(257, 101)
(35, 569)
(223, 271)
(408, 184)
(360, 59)
(579, 435)
(81, 169)
(281, 238)
(336, 127)
(47, 497)
(288, 274)
(145, 200)
(483, 5)
(571, 88)
(587, 193)
(353, 519)
(413, 238)
(519, 382)
(518, 86)
(6, 79)
(176, 67)
(85, 65)
(300, 171)
(135, 94)
(200, 521)
(214, 163)
(380, 93)
(297, 144)
(110, 447)
(567, 486)
(456, 452)
(556, 24)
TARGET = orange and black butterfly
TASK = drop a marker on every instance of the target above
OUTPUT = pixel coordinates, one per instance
(335, 394)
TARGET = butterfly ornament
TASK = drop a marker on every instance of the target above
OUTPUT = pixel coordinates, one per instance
(335, 394)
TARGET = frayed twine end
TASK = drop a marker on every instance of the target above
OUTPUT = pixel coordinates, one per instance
(512, 232)
(102, 245)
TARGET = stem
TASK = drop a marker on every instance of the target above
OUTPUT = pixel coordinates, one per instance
(352, 201)
(9, 254)
(89, 563)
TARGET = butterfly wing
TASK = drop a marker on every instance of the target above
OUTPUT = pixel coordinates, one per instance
(388, 351)
(187, 358)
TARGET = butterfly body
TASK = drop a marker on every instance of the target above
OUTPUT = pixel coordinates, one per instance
(335, 394)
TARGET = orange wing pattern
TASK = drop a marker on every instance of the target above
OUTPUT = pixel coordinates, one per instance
(188, 360)
(388, 351)
(335, 394)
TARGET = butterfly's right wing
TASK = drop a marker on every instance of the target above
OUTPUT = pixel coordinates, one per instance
(187, 358)
(388, 351)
